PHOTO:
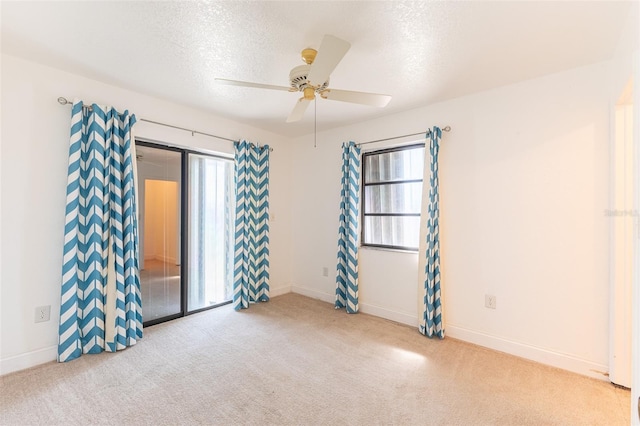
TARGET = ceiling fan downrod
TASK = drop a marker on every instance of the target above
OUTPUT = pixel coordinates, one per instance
(308, 55)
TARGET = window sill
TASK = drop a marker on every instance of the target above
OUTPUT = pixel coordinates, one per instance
(395, 250)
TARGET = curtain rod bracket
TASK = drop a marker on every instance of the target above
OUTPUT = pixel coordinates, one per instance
(444, 129)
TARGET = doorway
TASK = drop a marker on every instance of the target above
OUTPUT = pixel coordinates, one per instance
(624, 229)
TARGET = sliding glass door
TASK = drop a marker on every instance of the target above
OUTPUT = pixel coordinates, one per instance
(159, 201)
(211, 219)
(186, 220)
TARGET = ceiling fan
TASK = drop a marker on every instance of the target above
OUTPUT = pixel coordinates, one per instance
(313, 78)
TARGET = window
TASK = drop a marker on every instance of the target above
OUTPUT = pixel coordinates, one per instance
(392, 195)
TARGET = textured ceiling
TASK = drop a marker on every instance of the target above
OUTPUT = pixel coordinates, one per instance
(418, 52)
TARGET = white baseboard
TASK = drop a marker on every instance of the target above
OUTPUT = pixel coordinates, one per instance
(278, 291)
(161, 258)
(365, 308)
(28, 360)
(385, 313)
(167, 259)
(533, 353)
(329, 298)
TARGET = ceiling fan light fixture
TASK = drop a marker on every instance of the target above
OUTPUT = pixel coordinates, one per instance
(309, 93)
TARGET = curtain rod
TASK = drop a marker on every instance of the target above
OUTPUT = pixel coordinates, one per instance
(64, 101)
(427, 133)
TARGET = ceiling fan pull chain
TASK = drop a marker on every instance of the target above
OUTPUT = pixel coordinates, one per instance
(315, 123)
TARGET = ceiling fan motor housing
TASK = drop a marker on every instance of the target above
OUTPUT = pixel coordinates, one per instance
(298, 79)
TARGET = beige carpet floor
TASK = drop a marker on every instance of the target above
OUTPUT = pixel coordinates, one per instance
(297, 361)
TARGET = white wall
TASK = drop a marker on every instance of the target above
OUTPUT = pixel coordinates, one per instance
(147, 170)
(161, 222)
(35, 132)
(524, 185)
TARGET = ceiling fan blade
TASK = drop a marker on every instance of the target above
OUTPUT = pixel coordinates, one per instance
(332, 50)
(372, 99)
(248, 84)
(298, 110)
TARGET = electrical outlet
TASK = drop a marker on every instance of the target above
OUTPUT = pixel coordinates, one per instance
(43, 313)
(325, 271)
(489, 301)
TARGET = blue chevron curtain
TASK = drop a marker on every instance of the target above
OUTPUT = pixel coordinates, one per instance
(100, 306)
(431, 324)
(347, 266)
(251, 256)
